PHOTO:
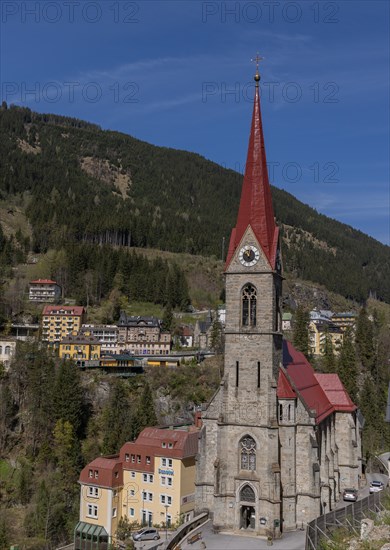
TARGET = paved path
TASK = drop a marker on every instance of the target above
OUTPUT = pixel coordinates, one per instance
(290, 541)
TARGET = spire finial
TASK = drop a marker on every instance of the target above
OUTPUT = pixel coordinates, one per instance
(257, 60)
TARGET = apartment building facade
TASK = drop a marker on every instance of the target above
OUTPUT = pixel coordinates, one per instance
(142, 335)
(79, 346)
(151, 481)
(59, 321)
(44, 290)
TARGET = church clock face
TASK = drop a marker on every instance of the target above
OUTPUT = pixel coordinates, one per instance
(249, 255)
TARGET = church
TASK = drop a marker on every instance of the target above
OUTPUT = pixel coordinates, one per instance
(279, 442)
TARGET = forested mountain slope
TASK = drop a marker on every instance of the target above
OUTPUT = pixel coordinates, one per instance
(82, 184)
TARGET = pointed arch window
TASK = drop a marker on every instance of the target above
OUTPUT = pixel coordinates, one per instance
(248, 453)
(249, 300)
(247, 494)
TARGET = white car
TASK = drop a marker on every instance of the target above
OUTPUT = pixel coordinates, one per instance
(350, 494)
(376, 486)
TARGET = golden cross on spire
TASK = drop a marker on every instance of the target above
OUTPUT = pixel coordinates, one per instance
(257, 60)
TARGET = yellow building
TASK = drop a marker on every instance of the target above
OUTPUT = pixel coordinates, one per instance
(345, 320)
(151, 482)
(318, 332)
(79, 346)
(59, 321)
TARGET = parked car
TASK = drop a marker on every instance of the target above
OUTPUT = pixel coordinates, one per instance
(350, 494)
(376, 486)
(146, 534)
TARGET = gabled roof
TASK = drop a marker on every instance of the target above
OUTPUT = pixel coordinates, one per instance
(43, 282)
(80, 339)
(256, 201)
(137, 321)
(335, 391)
(184, 443)
(63, 310)
(109, 472)
(284, 391)
(321, 393)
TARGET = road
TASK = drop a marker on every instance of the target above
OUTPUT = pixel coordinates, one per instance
(365, 491)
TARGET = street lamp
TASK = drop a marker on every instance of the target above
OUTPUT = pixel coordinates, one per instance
(166, 506)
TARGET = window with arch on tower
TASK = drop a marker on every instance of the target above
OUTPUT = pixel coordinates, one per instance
(248, 453)
(249, 300)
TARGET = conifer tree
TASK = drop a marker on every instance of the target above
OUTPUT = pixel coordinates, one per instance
(24, 482)
(69, 396)
(66, 453)
(4, 538)
(347, 365)
(146, 413)
(167, 319)
(116, 418)
(216, 336)
(301, 330)
(364, 339)
(328, 353)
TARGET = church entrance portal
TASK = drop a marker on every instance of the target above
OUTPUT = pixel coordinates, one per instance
(247, 517)
(247, 508)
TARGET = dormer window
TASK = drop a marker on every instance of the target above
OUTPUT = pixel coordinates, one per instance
(148, 460)
(170, 445)
(96, 474)
(127, 457)
(163, 444)
(90, 473)
(139, 459)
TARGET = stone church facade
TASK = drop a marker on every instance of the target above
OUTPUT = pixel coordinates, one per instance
(279, 442)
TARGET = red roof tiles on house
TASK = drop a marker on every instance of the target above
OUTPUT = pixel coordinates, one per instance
(178, 444)
(43, 282)
(63, 310)
(256, 201)
(108, 469)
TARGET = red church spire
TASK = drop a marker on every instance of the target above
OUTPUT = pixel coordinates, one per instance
(256, 202)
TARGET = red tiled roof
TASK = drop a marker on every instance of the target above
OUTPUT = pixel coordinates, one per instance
(321, 394)
(184, 443)
(43, 282)
(109, 469)
(284, 391)
(256, 201)
(67, 310)
(335, 392)
(149, 443)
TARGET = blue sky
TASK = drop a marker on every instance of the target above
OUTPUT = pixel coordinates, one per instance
(178, 74)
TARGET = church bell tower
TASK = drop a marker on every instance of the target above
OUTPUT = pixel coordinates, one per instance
(238, 469)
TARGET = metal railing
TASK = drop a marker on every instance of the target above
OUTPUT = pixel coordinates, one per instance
(186, 529)
(350, 517)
